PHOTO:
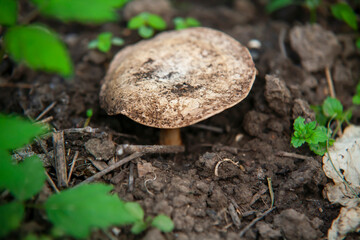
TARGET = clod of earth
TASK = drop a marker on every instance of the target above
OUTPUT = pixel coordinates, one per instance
(177, 79)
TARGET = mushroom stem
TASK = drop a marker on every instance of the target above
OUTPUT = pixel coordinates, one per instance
(170, 137)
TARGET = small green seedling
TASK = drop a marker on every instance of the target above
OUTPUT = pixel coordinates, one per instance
(104, 42)
(318, 133)
(311, 133)
(89, 114)
(146, 24)
(182, 23)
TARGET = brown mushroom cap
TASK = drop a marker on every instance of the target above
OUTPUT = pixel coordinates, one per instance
(178, 78)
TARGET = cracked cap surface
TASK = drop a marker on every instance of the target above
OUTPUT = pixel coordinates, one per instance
(178, 78)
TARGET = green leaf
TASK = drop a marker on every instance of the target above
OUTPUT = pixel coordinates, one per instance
(117, 41)
(138, 227)
(93, 44)
(16, 132)
(23, 180)
(136, 22)
(39, 48)
(80, 209)
(104, 41)
(156, 22)
(192, 22)
(135, 210)
(357, 43)
(321, 119)
(146, 32)
(344, 12)
(163, 223)
(11, 215)
(179, 23)
(318, 135)
(319, 149)
(8, 12)
(332, 107)
(83, 11)
(356, 99)
(274, 5)
(89, 113)
(299, 124)
(297, 142)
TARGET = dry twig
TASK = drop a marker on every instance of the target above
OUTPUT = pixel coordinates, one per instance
(126, 148)
(72, 165)
(252, 223)
(293, 155)
(234, 216)
(60, 160)
(46, 110)
(112, 167)
(330, 82)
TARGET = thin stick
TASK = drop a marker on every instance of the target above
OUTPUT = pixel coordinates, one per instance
(46, 120)
(282, 42)
(81, 130)
(234, 216)
(112, 167)
(252, 223)
(51, 182)
(293, 155)
(72, 166)
(126, 148)
(330, 82)
(16, 85)
(131, 177)
(46, 110)
(60, 160)
(271, 191)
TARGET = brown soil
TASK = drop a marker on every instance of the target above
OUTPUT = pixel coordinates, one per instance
(184, 186)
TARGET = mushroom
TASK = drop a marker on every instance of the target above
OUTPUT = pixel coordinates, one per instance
(177, 79)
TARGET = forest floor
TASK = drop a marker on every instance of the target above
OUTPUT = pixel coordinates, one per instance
(255, 134)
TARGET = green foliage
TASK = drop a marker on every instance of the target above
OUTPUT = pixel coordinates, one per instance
(8, 12)
(75, 211)
(83, 11)
(316, 136)
(146, 23)
(89, 113)
(16, 132)
(39, 48)
(356, 97)
(78, 210)
(23, 180)
(11, 215)
(181, 23)
(344, 12)
(163, 223)
(309, 132)
(104, 42)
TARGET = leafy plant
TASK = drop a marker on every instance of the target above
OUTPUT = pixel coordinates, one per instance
(344, 12)
(104, 42)
(182, 23)
(318, 133)
(74, 211)
(310, 133)
(146, 24)
(38, 46)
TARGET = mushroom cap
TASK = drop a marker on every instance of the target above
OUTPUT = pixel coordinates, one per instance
(178, 78)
